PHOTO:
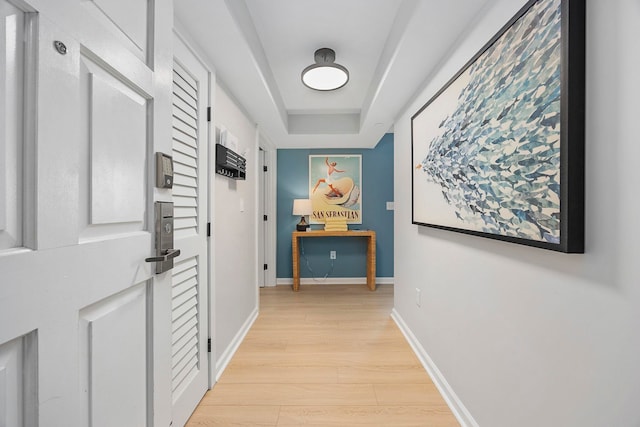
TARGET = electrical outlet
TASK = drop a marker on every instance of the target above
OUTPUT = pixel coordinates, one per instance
(332, 254)
(418, 297)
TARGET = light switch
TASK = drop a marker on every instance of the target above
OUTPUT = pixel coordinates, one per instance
(389, 206)
(241, 205)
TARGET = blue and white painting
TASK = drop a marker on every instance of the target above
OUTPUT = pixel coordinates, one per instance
(486, 149)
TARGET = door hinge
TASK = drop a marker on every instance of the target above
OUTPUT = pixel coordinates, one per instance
(265, 169)
(208, 229)
(264, 218)
(266, 266)
(208, 114)
(209, 345)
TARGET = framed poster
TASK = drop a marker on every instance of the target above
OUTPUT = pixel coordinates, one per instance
(498, 152)
(335, 187)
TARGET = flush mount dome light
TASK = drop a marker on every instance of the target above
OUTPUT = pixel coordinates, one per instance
(325, 74)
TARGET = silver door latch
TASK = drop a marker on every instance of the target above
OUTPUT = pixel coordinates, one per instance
(165, 253)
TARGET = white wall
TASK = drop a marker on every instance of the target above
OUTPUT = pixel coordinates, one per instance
(236, 297)
(524, 336)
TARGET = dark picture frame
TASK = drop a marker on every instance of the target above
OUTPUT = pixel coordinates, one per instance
(498, 152)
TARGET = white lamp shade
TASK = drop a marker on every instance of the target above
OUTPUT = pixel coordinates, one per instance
(302, 207)
(328, 77)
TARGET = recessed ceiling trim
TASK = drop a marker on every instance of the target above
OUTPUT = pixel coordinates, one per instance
(394, 58)
(324, 124)
(401, 23)
(240, 13)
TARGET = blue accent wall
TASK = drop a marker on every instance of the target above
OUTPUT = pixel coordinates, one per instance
(377, 190)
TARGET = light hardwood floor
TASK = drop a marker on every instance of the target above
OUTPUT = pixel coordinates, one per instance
(324, 356)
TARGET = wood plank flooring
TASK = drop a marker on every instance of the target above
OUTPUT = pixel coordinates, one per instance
(325, 356)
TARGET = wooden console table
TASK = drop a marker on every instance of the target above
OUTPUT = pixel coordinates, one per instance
(371, 252)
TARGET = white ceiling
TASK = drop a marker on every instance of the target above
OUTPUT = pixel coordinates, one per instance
(259, 48)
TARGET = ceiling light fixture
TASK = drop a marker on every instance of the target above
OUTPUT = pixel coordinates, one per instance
(325, 74)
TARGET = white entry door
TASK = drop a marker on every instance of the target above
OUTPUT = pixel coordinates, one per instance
(82, 315)
(190, 368)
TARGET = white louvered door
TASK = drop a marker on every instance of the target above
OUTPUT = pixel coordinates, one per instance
(189, 275)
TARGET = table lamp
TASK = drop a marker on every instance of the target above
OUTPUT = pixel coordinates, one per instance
(302, 207)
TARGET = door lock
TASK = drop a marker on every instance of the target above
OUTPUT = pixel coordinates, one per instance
(165, 253)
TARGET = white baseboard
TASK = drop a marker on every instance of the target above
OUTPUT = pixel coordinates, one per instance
(459, 410)
(280, 281)
(225, 358)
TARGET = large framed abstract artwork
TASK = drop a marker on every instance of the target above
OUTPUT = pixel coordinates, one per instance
(498, 152)
(335, 187)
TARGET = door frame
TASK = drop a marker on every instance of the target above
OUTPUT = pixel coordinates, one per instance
(261, 275)
(268, 238)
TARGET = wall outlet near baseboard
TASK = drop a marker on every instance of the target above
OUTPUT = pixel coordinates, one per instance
(332, 254)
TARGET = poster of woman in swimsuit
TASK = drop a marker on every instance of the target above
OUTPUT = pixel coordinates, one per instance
(335, 187)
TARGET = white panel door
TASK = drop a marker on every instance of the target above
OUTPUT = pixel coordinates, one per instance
(189, 287)
(81, 312)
